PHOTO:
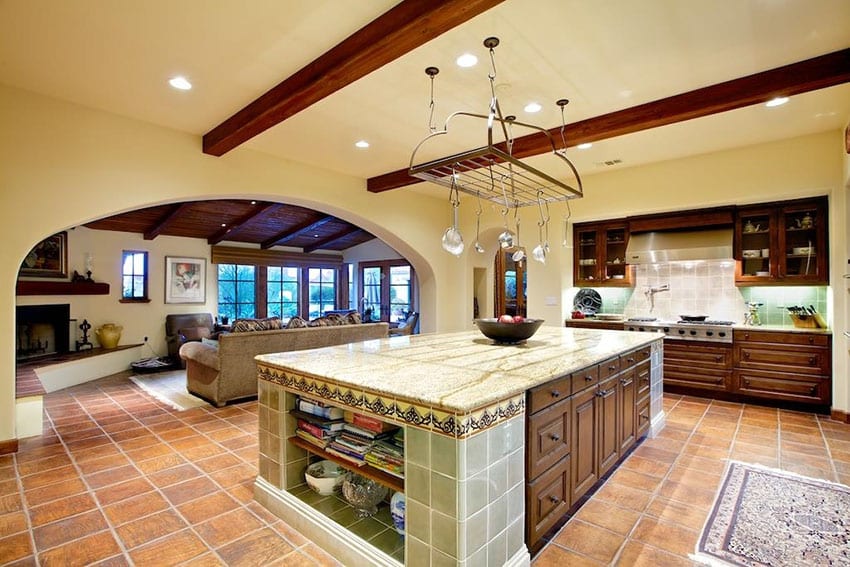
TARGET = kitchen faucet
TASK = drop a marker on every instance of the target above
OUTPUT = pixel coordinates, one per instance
(650, 292)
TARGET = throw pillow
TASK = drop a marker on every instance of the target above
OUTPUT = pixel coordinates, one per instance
(353, 318)
(296, 323)
(194, 333)
(335, 319)
(245, 325)
(211, 342)
(320, 322)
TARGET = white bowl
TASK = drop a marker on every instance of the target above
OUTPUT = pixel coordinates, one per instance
(803, 250)
(324, 476)
(751, 253)
(762, 274)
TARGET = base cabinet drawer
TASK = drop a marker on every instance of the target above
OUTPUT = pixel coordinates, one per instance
(642, 418)
(786, 387)
(695, 377)
(548, 499)
(798, 359)
(548, 437)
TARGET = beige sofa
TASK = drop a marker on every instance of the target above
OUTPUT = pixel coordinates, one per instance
(229, 372)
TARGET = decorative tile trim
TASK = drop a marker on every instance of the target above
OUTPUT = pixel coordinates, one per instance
(399, 410)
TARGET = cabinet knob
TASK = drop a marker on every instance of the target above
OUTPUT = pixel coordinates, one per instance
(612, 368)
(813, 390)
(644, 417)
(555, 437)
(556, 394)
(746, 355)
(747, 336)
(588, 378)
(811, 340)
(630, 360)
(554, 499)
(718, 359)
(812, 360)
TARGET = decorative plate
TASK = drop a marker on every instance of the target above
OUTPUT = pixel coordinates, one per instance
(588, 301)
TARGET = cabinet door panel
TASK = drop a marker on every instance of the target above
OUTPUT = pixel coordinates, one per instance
(626, 390)
(643, 380)
(779, 358)
(585, 471)
(548, 437)
(548, 500)
(608, 425)
(642, 418)
(786, 387)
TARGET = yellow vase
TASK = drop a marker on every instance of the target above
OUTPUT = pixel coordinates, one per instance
(108, 335)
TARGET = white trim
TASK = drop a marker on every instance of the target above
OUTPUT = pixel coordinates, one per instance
(341, 543)
(659, 421)
(520, 559)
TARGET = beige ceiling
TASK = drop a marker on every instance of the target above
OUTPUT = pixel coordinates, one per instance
(605, 55)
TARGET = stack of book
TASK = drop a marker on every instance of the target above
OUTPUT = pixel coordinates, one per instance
(388, 454)
(359, 435)
(317, 423)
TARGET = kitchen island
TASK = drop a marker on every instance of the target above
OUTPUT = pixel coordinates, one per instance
(463, 402)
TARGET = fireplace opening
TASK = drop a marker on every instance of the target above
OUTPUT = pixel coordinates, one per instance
(42, 330)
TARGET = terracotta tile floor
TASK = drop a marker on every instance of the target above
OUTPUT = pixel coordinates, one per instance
(117, 478)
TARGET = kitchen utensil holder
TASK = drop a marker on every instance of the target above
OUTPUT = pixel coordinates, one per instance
(804, 321)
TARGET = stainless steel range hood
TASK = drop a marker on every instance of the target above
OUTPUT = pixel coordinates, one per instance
(673, 246)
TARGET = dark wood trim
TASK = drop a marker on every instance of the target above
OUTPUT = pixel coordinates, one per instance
(694, 219)
(839, 415)
(235, 227)
(398, 31)
(9, 446)
(255, 257)
(293, 232)
(134, 300)
(166, 220)
(801, 77)
(61, 288)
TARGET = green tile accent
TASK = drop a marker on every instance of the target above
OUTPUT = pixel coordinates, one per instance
(367, 528)
(497, 516)
(418, 521)
(346, 517)
(443, 454)
(444, 533)
(516, 468)
(476, 454)
(444, 494)
(498, 477)
(418, 553)
(330, 505)
(442, 560)
(274, 422)
(388, 541)
(475, 530)
(497, 551)
(309, 497)
(417, 449)
(516, 537)
(473, 495)
(418, 481)
(775, 299)
(398, 555)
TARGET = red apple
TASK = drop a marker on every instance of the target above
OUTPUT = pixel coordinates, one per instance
(519, 319)
(506, 319)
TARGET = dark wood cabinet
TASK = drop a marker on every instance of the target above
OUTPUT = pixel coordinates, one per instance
(548, 500)
(600, 255)
(549, 437)
(608, 424)
(626, 410)
(699, 366)
(782, 243)
(585, 464)
(783, 366)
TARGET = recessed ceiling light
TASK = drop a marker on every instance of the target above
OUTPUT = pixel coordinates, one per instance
(467, 60)
(253, 202)
(224, 224)
(532, 107)
(362, 144)
(778, 101)
(585, 146)
(180, 83)
(315, 236)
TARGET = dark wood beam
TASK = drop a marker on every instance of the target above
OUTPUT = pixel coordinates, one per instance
(403, 28)
(166, 220)
(233, 228)
(296, 231)
(812, 74)
(339, 235)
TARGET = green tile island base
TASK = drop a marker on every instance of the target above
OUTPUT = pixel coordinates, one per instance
(464, 467)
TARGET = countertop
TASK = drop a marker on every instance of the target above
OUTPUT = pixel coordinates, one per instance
(458, 372)
(739, 327)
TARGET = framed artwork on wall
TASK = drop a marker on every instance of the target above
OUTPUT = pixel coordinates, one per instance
(185, 280)
(48, 259)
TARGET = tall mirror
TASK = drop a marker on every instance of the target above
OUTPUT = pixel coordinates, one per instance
(511, 283)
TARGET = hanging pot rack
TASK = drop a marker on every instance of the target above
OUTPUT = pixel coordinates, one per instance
(473, 172)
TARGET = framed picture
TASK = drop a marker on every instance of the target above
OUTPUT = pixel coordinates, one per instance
(185, 280)
(48, 259)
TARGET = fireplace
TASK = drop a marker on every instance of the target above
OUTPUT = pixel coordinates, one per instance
(42, 330)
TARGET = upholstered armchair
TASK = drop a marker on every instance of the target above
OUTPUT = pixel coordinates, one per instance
(183, 328)
(407, 326)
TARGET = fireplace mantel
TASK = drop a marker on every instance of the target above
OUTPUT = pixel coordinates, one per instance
(61, 288)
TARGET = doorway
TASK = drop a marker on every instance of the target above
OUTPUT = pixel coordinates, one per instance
(386, 290)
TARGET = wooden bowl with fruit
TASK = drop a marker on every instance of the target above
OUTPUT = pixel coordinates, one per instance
(508, 329)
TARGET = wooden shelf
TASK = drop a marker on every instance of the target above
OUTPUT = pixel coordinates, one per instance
(61, 288)
(370, 472)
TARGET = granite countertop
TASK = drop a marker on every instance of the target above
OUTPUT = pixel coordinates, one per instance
(458, 371)
(783, 328)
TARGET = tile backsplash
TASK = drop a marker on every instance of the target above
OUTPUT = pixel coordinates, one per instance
(706, 288)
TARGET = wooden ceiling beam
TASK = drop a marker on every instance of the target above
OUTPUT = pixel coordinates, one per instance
(233, 228)
(398, 31)
(163, 223)
(339, 235)
(293, 232)
(812, 74)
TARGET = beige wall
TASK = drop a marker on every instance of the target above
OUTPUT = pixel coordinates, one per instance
(62, 165)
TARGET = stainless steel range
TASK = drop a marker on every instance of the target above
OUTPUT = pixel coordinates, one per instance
(705, 331)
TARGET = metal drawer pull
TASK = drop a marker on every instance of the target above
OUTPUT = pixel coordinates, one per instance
(813, 390)
(588, 378)
(612, 368)
(811, 340)
(746, 354)
(812, 360)
(554, 499)
(718, 359)
(630, 360)
(644, 417)
(555, 437)
(556, 394)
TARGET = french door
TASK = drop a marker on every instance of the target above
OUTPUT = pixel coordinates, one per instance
(386, 290)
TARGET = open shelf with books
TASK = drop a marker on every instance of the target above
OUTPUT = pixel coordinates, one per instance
(388, 480)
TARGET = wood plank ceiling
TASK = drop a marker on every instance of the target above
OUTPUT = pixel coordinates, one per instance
(262, 223)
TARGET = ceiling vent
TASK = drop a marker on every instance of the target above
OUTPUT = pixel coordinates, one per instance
(609, 162)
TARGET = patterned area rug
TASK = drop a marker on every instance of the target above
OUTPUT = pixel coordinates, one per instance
(169, 387)
(767, 517)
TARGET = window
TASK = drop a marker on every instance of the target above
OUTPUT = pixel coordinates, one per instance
(236, 291)
(282, 292)
(134, 276)
(386, 290)
(322, 290)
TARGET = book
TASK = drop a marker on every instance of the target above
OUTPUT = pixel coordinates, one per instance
(315, 430)
(343, 455)
(364, 433)
(312, 439)
(368, 422)
(330, 424)
(317, 408)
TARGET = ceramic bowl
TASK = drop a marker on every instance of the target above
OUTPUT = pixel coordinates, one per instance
(324, 477)
(751, 253)
(508, 333)
(803, 250)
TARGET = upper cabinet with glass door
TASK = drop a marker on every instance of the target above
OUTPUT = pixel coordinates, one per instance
(600, 255)
(782, 243)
